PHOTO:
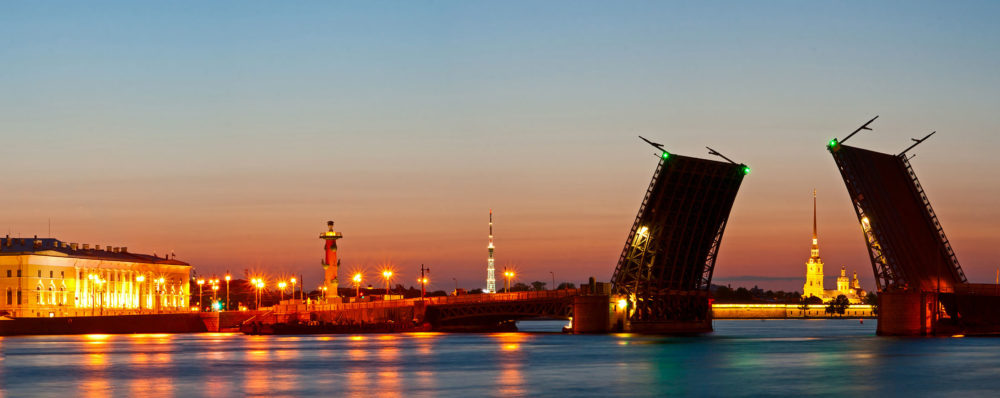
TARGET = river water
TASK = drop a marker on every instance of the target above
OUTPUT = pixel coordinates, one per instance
(742, 358)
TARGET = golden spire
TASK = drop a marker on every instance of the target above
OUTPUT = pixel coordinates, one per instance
(815, 245)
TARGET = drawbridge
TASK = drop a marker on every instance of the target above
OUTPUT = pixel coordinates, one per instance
(665, 269)
(923, 289)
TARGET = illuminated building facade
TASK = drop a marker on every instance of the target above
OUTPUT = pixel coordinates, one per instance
(48, 277)
(814, 274)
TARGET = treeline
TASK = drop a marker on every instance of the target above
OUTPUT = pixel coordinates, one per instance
(726, 294)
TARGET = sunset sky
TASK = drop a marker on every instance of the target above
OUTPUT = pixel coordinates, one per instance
(230, 132)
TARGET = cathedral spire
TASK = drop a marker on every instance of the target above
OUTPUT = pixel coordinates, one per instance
(815, 245)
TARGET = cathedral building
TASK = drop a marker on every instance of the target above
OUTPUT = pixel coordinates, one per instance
(814, 275)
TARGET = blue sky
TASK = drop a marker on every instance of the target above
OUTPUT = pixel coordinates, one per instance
(229, 132)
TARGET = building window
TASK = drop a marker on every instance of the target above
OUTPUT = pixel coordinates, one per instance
(39, 273)
(19, 275)
(38, 295)
(62, 274)
(18, 297)
(10, 296)
(8, 273)
(50, 274)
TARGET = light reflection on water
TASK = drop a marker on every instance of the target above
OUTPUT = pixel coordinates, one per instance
(742, 358)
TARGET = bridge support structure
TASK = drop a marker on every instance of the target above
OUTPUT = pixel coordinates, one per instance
(922, 287)
(665, 270)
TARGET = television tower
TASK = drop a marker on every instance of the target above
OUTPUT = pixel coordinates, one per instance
(491, 282)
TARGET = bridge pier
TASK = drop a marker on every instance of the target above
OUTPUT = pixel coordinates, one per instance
(591, 314)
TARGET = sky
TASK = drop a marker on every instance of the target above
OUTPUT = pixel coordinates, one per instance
(228, 133)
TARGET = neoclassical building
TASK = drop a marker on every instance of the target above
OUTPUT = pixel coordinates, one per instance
(48, 277)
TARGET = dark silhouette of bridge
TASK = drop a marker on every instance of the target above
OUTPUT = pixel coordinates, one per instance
(922, 288)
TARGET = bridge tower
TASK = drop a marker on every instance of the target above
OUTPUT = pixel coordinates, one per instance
(665, 270)
(491, 282)
(330, 264)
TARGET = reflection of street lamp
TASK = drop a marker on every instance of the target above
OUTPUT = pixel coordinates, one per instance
(215, 291)
(387, 274)
(228, 277)
(140, 279)
(357, 284)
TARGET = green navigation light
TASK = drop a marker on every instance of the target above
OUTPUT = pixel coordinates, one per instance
(665, 155)
(746, 170)
(833, 143)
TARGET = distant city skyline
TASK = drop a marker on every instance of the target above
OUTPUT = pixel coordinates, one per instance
(230, 132)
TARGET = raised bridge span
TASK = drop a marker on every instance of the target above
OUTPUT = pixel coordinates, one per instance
(922, 287)
(660, 284)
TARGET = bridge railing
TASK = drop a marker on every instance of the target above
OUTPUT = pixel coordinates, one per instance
(463, 299)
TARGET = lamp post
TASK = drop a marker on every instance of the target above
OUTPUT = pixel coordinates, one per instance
(215, 290)
(293, 287)
(281, 287)
(140, 279)
(228, 277)
(507, 275)
(357, 284)
(200, 283)
(387, 274)
(423, 281)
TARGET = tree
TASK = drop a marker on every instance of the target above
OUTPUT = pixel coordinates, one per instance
(538, 285)
(520, 287)
(744, 295)
(804, 303)
(838, 305)
(566, 285)
(872, 300)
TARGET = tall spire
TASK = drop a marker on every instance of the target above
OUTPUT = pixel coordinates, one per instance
(815, 245)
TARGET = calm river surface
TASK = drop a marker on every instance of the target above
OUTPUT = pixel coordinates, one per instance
(742, 358)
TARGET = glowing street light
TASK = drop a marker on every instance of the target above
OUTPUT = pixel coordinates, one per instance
(387, 274)
(357, 284)
(281, 286)
(200, 282)
(508, 275)
(228, 277)
(293, 287)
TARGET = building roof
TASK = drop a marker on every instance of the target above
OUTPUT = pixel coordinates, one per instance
(55, 247)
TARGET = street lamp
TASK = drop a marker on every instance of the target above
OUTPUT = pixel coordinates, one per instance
(293, 287)
(281, 286)
(508, 275)
(357, 284)
(200, 283)
(215, 291)
(228, 277)
(387, 274)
